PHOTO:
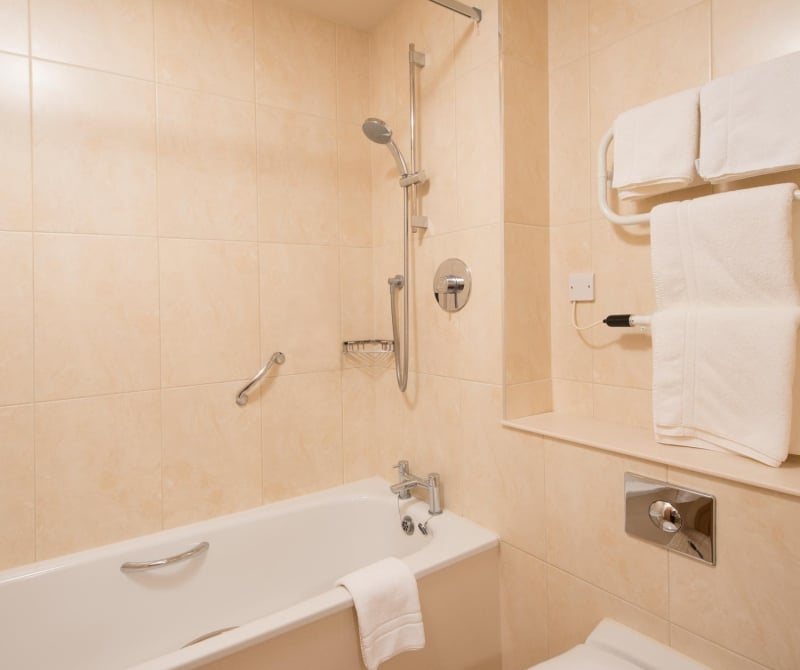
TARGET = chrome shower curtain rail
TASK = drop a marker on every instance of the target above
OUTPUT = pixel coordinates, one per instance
(465, 10)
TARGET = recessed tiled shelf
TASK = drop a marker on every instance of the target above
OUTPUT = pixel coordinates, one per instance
(639, 443)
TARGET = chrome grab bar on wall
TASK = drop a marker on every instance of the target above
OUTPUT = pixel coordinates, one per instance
(241, 397)
(169, 560)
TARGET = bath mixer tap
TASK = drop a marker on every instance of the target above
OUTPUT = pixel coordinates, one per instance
(408, 481)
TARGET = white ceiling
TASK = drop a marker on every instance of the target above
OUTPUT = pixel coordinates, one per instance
(362, 14)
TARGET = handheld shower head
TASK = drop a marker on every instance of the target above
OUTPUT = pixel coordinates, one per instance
(377, 131)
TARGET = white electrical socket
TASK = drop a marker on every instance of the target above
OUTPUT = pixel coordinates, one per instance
(581, 286)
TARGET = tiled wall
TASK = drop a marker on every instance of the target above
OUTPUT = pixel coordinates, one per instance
(456, 358)
(558, 506)
(184, 189)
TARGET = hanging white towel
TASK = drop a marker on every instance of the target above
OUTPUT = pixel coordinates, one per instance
(730, 249)
(722, 379)
(387, 605)
(655, 146)
(748, 121)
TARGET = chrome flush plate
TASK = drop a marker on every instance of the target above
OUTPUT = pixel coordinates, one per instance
(679, 519)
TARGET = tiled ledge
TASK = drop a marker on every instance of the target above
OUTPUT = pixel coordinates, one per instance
(639, 443)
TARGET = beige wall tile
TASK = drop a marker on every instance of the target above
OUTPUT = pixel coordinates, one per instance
(96, 315)
(523, 611)
(567, 31)
(434, 437)
(16, 315)
(209, 311)
(15, 143)
(575, 607)
(352, 74)
(742, 37)
(572, 398)
(206, 166)
(387, 261)
(525, 118)
(14, 19)
(479, 148)
(295, 60)
(529, 398)
(570, 251)
(297, 178)
(98, 471)
(465, 344)
(503, 470)
(112, 35)
(527, 303)
(302, 429)
(383, 100)
(621, 358)
(621, 404)
(387, 198)
(748, 601)
(585, 525)
(94, 152)
(212, 452)
(477, 44)
(613, 20)
(357, 309)
(392, 420)
(300, 306)
(709, 653)
(431, 30)
(525, 24)
(570, 152)
(354, 186)
(437, 152)
(16, 486)
(361, 451)
(206, 45)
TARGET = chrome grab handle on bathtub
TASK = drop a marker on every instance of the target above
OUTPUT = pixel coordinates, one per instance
(278, 357)
(169, 560)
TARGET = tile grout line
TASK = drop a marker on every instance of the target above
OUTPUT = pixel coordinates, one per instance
(158, 263)
(259, 255)
(33, 286)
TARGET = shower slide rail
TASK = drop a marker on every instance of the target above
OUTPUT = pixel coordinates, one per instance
(604, 185)
(241, 397)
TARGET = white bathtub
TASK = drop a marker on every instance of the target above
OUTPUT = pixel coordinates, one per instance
(267, 571)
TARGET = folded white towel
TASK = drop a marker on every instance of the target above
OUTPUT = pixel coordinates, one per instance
(748, 121)
(655, 146)
(387, 604)
(722, 379)
(730, 248)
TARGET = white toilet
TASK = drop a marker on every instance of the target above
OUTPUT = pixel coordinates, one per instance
(612, 646)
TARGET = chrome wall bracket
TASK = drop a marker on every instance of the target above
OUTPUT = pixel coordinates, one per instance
(679, 519)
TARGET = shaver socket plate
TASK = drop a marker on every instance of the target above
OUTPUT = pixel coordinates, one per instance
(581, 286)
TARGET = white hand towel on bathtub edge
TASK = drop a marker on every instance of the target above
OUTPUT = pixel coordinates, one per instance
(733, 248)
(655, 146)
(387, 605)
(748, 121)
(722, 379)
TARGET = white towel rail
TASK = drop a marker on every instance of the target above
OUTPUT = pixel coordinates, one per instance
(604, 184)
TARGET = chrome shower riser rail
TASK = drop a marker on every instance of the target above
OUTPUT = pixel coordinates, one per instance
(459, 7)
